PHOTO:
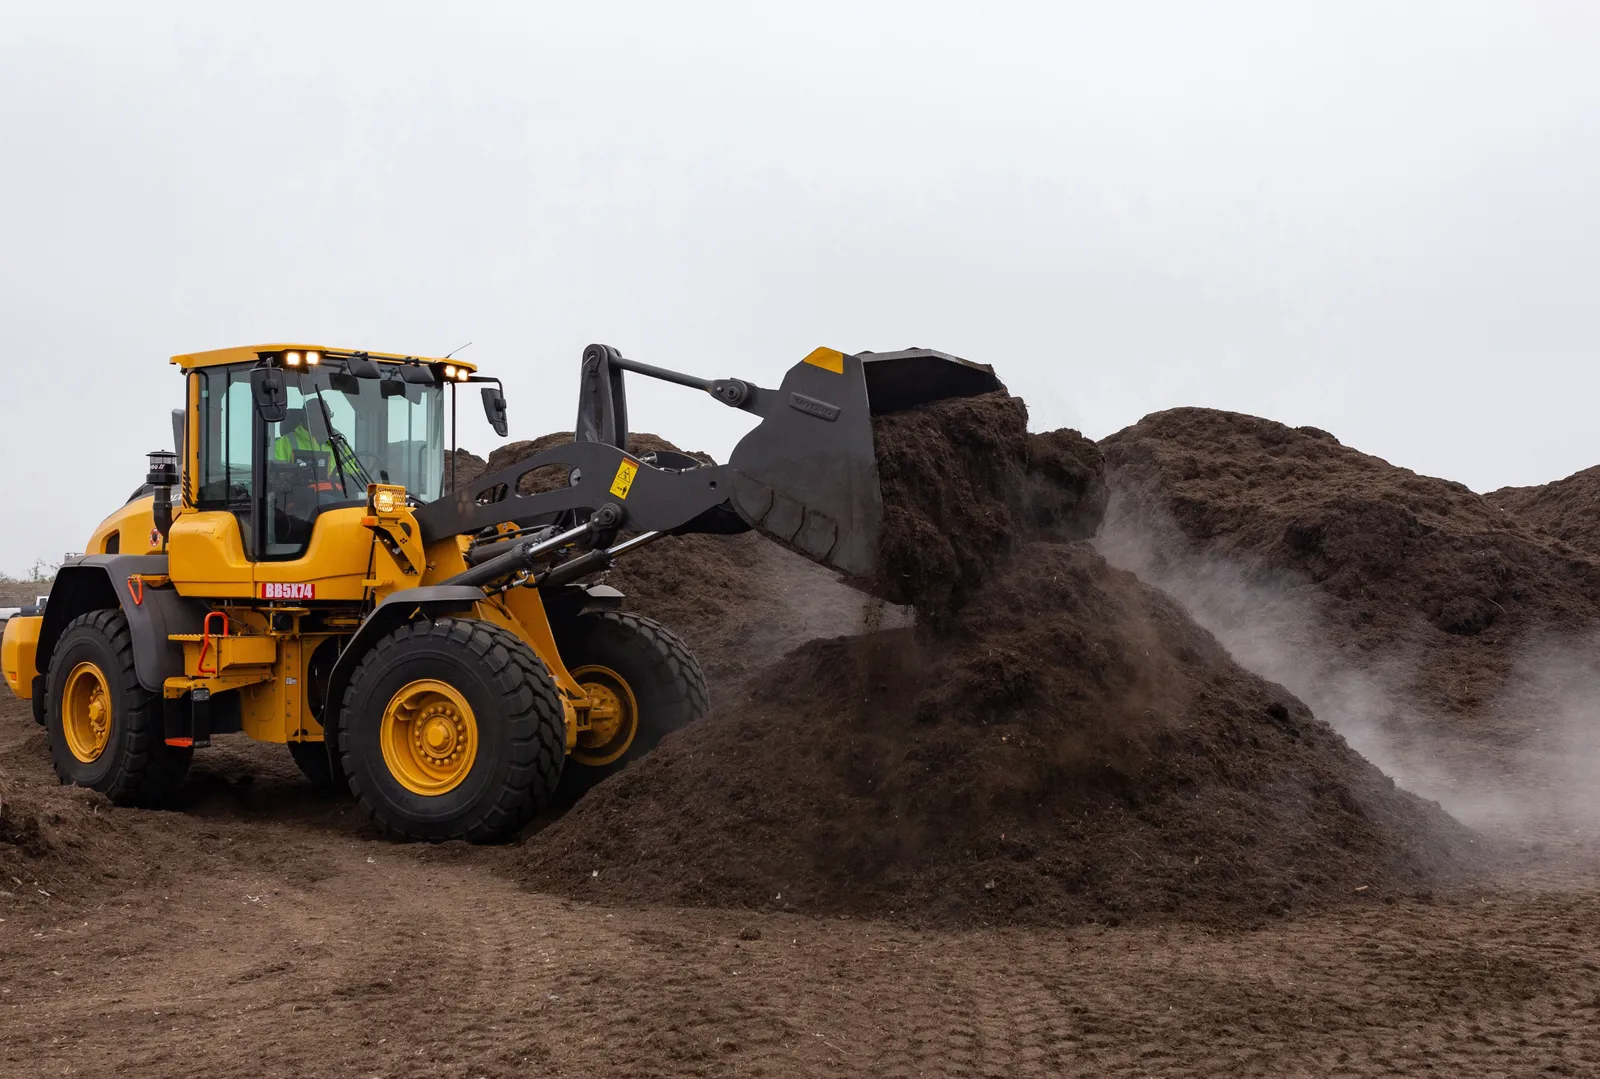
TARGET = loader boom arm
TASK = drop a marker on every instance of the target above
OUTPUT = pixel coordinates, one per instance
(806, 476)
(651, 499)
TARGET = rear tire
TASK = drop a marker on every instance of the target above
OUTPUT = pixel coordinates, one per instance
(452, 729)
(660, 679)
(105, 730)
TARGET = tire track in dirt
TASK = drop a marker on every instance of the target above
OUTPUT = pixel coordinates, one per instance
(397, 963)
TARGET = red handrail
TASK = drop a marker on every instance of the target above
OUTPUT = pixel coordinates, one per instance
(205, 642)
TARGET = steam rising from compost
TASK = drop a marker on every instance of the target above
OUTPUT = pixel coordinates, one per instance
(1269, 620)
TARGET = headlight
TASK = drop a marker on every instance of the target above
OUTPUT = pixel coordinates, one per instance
(291, 359)
(388, 499)
(313, 358)
(450, 372)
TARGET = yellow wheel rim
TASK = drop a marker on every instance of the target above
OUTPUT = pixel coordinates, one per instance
(613, 716)
(429, 737)
(86, 712)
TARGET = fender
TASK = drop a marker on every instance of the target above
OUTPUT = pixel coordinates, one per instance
(99, 582)
(432, 601)
(394, 611)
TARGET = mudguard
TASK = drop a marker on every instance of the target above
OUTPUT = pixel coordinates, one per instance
(394, 611)
(97, 582)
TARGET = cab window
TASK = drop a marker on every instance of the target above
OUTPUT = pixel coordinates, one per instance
(227, 444)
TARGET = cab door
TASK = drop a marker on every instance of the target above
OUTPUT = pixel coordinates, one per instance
(314, 547)
(209, 546)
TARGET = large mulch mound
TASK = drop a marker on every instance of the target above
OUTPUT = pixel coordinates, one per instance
(461, 468)
(1568, 509)
(1053, 742)
(1295, 546)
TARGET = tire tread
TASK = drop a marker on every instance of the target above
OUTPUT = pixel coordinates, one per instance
(533, 712)
(674, 672)
(148, 771)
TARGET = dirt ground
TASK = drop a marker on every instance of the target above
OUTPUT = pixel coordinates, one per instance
(262, 931)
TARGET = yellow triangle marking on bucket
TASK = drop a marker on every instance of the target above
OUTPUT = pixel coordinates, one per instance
(828, 359)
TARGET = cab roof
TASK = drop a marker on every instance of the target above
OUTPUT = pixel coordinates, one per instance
(248, 353)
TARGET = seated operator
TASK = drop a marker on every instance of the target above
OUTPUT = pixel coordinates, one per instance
(296, 435)
(305, 432)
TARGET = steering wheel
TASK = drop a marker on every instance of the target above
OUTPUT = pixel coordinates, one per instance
(370, 461)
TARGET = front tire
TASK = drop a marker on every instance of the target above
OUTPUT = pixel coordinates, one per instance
(452, 729)
(645, 684)
(105, 730)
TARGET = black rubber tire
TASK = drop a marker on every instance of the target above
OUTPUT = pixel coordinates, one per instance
(663, 674)
(137, 767)
(520, 719)
(317, 766)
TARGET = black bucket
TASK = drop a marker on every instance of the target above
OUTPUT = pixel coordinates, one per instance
(807, 476)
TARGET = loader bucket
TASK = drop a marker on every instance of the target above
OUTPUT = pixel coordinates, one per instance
(807, 476)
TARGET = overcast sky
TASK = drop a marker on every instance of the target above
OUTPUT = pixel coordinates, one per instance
(1380, 219)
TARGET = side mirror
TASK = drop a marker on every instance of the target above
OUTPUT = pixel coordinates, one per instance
(494, 408)
(270, 393)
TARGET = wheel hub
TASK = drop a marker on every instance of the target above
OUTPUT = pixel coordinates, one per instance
(429, 737)
(440, 733)
(86, 712)
(613, 716)
(605, 714)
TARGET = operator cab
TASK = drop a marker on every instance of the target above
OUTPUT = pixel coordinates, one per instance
(347, 420)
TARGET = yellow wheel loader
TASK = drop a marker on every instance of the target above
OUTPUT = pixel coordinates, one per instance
(302, 569)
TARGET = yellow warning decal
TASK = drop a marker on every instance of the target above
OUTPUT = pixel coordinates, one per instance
(624, 481)
(828, 359)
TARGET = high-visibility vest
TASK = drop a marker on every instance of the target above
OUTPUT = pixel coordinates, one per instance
(299, 439)
(284, 446)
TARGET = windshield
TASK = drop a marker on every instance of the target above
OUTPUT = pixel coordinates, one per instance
(352, 432)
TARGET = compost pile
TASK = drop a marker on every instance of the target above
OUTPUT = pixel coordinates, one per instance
(462, 468)
(1568, 510)
(1429, 586)
(1053, 741)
